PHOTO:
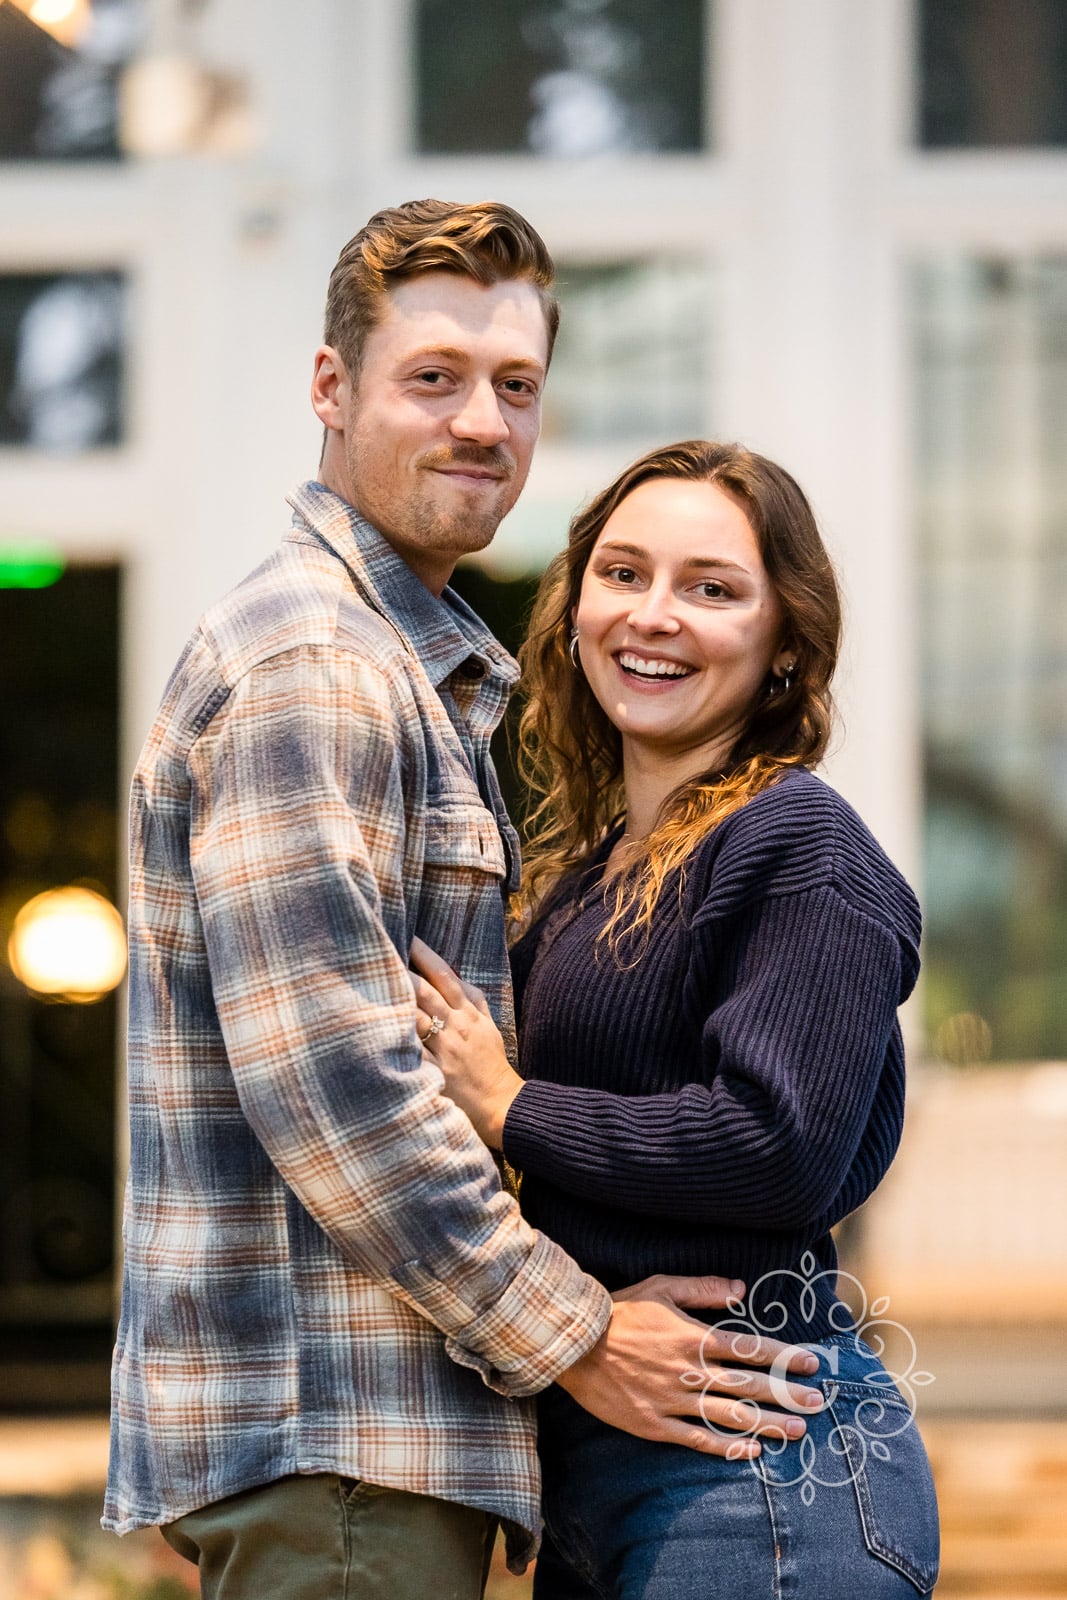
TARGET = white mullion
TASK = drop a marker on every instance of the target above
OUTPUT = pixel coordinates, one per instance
(810, 336)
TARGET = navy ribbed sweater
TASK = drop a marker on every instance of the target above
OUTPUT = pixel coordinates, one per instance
(719, 1106)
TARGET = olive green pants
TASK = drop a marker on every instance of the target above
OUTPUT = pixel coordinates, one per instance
(330, 1538)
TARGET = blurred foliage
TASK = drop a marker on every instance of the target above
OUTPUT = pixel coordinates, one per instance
(56, 1550)
(52, 1549)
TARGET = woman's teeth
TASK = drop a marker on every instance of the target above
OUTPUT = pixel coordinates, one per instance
(653, 669)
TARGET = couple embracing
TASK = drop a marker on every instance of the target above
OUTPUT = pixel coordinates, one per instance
(351, 1344)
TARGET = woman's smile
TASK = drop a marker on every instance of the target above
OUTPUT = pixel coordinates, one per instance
(652, 671)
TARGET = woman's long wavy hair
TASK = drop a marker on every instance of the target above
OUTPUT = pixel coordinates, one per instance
(570, 753)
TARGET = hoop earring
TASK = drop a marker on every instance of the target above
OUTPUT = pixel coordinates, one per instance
(572, 650)
(782, 685)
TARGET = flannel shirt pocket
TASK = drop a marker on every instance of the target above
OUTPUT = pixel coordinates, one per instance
(462, 836)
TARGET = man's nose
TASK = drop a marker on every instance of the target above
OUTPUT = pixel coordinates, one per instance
(480, 417)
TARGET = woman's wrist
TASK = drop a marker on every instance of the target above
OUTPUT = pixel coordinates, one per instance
(493, 1132)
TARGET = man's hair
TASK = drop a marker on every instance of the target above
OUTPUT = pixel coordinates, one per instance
(486, 241)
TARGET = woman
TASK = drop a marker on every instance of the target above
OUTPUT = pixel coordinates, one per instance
(707, 992)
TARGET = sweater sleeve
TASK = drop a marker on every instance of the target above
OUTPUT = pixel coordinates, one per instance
(791, 1054)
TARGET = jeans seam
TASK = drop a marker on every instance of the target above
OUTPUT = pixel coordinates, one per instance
(776, 1548)
(873, 1537)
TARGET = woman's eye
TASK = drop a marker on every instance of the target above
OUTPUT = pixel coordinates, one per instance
(712, 589)
(622, 574)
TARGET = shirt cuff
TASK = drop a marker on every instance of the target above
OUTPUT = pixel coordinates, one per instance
(549, 1316)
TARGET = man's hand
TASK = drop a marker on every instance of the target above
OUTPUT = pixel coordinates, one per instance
(654, 1370)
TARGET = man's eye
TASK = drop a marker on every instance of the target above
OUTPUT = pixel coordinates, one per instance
(518, 386)
(431, 377)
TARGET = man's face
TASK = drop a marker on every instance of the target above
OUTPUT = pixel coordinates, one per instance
(439, 430)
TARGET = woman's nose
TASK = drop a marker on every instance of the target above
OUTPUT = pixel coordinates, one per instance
(653, 611)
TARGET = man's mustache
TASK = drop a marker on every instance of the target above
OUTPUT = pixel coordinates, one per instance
(490, 458)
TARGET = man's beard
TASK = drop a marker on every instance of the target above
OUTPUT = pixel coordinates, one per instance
(472, 527)
(434, 528)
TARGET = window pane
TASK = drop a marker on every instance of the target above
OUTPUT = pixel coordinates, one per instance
(59, 103)
(560, 77)
(61, 359)
(993, 72)
(630, 362)
(992, 416)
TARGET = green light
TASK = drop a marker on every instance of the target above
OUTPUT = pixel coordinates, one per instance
(30, 566)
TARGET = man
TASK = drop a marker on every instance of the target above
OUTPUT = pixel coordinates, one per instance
(332, 1309)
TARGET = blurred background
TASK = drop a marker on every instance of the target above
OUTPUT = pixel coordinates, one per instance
(834, 230)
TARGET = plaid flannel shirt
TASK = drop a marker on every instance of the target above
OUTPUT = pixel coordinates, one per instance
(322, 1270)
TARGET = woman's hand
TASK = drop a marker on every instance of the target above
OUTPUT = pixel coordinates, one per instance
(459, 1036)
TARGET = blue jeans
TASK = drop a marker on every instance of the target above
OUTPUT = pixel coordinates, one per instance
(846, 1513)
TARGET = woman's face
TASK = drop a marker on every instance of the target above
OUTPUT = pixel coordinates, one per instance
(678, 624)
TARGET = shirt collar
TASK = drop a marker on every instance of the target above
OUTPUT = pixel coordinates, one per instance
(442, 632)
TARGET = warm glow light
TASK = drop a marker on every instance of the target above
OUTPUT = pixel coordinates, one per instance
(68, 943)
(65, 20)
(46, 13)
(164, 105)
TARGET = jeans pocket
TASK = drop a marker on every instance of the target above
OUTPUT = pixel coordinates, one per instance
(875, 1431)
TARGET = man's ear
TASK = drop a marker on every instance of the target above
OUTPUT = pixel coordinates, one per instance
(330, 388)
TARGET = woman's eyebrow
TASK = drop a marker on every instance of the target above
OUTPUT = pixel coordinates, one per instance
(720, 562)
(623, 549)
(694, 562)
